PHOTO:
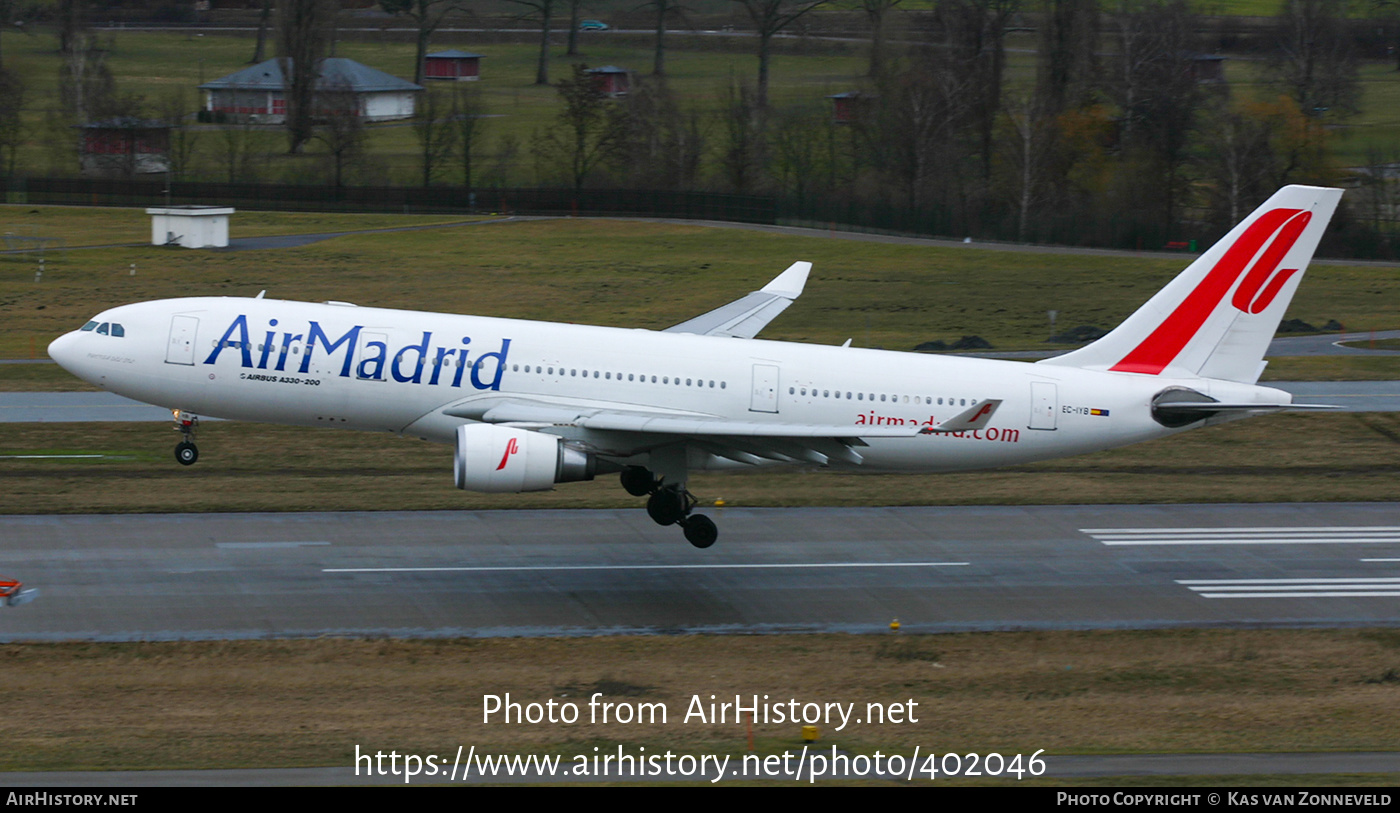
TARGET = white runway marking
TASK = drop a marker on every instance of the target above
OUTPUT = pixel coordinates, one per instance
(49, 456)
(1293, 588)
(537, 568)
(266, 545)
(1246, 536)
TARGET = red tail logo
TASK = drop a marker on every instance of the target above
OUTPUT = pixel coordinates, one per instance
(511, 448)
(1280, 229)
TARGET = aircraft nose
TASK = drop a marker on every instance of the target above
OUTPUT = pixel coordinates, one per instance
(62, 350)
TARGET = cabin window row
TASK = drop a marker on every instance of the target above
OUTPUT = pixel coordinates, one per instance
(861, 396)
(574, 372)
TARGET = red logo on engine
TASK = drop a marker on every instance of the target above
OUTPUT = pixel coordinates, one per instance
(511, 448)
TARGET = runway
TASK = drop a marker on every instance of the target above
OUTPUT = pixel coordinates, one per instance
(576, 572)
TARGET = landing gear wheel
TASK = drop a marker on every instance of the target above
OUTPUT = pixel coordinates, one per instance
(186, 453)
(667, 506)
(700, 530)
(638, 481)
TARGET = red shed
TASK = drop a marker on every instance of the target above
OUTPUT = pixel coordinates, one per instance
(850, 106)
(125, 146)
(615, 81)
(452, 65)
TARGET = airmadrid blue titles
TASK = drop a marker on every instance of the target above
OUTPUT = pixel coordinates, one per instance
(407, 365)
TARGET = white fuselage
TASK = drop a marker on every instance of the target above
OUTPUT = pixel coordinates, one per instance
(376, 369)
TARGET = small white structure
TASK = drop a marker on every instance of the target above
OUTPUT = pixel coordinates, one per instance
(190, 226)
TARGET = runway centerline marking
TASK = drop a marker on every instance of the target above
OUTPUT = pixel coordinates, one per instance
(1338, 535)
(266, 545)
(537, 568)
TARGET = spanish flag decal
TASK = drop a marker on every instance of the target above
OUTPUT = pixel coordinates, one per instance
(1102, 412)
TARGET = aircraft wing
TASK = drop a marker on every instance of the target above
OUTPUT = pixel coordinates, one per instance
(745, 317)
(743, 441)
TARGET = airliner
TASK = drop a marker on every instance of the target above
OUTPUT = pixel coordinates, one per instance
(529, 404)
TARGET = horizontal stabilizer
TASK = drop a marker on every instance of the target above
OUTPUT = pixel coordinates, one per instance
(1206, 407)
(22, 597)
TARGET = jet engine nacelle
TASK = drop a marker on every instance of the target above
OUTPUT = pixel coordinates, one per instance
(503, 459)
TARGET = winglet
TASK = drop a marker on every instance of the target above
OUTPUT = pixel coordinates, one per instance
(745, 317)
(974, 417)
(790, 283)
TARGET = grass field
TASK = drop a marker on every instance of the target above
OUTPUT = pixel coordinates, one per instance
(305, 703)
(631, 274)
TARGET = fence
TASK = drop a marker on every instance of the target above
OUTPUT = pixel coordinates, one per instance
(1348, 236)
(404, 199)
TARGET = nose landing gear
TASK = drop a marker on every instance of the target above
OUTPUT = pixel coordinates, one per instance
(186, 453)
(670, 505)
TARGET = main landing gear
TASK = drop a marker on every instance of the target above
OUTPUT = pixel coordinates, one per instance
(186, 453)
(670, 505)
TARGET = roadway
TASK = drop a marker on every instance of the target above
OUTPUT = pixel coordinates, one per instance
(585, 572)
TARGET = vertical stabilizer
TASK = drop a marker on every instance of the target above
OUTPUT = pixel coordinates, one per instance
(1216, 319)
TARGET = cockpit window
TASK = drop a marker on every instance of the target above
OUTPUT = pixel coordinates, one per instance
(89, 325)
(118, 330)
(102, 328)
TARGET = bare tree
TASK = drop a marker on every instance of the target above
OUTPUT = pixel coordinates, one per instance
(13, 133)
(659, 145)
(1380, 189)
(427, 16)
(798, 150)
(13, 14)
(340, 127)
(240, 151)
(1068, 68)
(1315, 61)
(543, 11)
(87, 89)
(742, 148)
(1388, 12)
(914, 133)
(1157, 92)
(665, 10)
(575, 9)
(264, 19)
(469, 118)
(174, 112)
(770, 17)
(304, 32)
(436, 131)
(1025, 154)
(875, 13)
(975, 36)
(71, 16)
(581, 142)
(1234, 161)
